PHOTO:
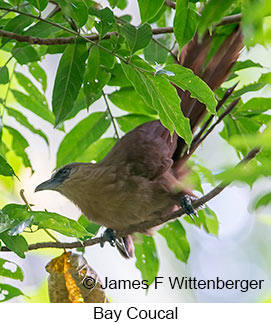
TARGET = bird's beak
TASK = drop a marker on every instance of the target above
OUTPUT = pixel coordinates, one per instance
(51, 184)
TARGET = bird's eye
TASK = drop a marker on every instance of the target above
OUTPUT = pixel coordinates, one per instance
(65, 171)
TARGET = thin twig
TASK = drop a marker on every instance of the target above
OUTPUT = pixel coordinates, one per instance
(220, 118)
(111, 116)
(143, 226)
(209, 120)
(200, 137)
(234, 19)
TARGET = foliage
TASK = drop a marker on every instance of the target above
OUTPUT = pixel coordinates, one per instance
(119, 62)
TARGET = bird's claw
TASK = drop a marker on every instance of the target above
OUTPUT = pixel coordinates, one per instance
(188, 208)
(109, 235)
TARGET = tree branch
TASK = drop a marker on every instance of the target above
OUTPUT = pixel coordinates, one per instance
(143, 226)
(70, 40)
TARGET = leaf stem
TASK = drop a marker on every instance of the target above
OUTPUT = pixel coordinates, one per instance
(111, 116)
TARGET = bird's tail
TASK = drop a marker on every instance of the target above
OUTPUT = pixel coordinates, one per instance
(194, 56)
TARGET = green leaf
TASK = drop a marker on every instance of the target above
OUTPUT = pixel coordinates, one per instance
(146, 259)
(23, 121)
(5, 222)
(25, 54)
(250, 139)
(118, 77)
(255, 106)
(167, 102)
(39, 74)
(209, 220)
(5, 168)
(9, 208)
(19, 144)
(39, 4)
(107, 20)
(16, 212)
(240, 65)
(206, 174)
(80, 104)
(253, 13)
(8, 292)
(86, 132)
(107, 60)
(3, 4)
(246, 174)
(238, 132)
(130, 121)
(263, 200)
(160, 95)
(37, 107)
(75, 9)
(137, 37)
(4, 76)
(213, 11)
(30, 88)
(187, 80)
(68, 81)
(122, 4)
(42, 29)
(95, 77)
(14, 273)
(149, 8)
(19, 228)
(97, 151)
(194, 180)
(89, 226)
(185, 22)
(46, 220)
(129, 100)
(175, 236)
(17, 25)
(17, 243)
(113, 3)
(59, 223)
(154, 53)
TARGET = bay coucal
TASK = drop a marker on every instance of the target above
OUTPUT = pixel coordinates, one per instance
(139, 178)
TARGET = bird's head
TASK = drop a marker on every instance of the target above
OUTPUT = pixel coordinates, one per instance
(62, 177)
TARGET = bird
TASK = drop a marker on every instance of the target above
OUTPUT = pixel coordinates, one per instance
(139, 179)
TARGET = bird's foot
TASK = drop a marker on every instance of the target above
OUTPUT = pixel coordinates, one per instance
(188, 208)
(110, 236)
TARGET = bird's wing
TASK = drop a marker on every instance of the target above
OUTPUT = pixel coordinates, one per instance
(146, 150)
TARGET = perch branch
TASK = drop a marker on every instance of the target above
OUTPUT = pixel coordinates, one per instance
(143, 226)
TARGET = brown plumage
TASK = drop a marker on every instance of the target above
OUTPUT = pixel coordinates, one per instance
(138, 179)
